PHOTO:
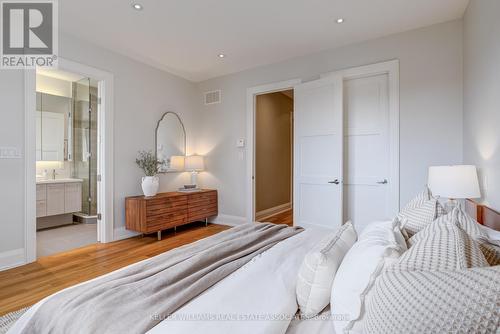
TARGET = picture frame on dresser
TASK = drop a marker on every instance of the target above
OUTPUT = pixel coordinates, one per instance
(169, 210)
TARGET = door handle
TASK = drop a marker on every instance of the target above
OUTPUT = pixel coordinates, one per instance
(384, 181)
(336, 181)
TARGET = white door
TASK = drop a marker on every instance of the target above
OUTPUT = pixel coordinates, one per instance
(318, 146)
(367, 192)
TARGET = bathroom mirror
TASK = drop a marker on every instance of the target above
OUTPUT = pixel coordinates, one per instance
(170, 142)
(54, 127)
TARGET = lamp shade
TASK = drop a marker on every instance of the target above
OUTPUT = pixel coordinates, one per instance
(455, 182)
(177, 162)
(49, 165)
(194, 163)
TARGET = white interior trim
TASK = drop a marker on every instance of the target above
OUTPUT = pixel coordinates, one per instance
(121, 233)
(264, 214)
(228, 220)
(105, 166)
(29, 166)
(391, 68)
(12, 258)
(250, 154)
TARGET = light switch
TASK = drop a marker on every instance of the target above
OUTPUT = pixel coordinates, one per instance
(10, 153)
(240, 142)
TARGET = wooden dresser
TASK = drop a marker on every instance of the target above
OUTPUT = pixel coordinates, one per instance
(167, 210)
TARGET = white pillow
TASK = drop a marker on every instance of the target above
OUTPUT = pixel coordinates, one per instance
(420, 211)
(379, 245)
(316, 274)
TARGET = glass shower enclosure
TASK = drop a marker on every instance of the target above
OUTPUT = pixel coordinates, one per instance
(85, 99)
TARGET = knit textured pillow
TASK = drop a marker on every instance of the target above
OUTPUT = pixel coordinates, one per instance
(442, 245)
(419, 212)
(442, 284)
(468, 224)
(453, 301)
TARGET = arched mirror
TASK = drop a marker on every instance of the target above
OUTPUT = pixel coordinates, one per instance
(170, 143)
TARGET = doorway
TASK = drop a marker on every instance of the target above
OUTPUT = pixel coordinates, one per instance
(83, 164)
(274, 157)
(66, 161)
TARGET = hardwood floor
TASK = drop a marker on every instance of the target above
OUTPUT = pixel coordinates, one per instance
(285, 217)
(26, 285)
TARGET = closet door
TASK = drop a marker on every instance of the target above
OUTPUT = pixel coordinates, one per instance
(318, 151)
(367, 181)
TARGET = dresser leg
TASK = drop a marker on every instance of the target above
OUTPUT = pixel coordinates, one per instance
(206, 222)
(159, 235)
(175, 229)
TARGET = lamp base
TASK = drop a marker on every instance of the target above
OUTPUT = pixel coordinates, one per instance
(451, 204)
(194, 179)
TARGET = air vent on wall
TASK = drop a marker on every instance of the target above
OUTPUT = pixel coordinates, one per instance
(212, 97)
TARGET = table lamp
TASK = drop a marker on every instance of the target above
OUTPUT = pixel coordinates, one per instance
(194, 164)
(454, 182)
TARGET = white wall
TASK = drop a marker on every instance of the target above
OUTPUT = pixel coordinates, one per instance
(141, 95)
(431, 116)
(482, 95)
(430, 104)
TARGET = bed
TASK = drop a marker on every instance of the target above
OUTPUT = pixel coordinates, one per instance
(261, 295)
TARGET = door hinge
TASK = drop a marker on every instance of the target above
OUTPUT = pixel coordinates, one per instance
(99, 216)
(99, 100)
(98, 177)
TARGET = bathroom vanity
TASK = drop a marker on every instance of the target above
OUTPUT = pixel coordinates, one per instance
(57, 199)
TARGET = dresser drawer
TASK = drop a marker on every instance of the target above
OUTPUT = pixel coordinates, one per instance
(200, 213)
(203, 201)
(158, 223)
(166, 205)
(168, 210)
(196, 197)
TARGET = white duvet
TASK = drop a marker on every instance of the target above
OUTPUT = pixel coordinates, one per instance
(257, 298)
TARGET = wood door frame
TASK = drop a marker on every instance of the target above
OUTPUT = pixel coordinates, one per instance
(252, 93)
(391, 68)
(105, 152)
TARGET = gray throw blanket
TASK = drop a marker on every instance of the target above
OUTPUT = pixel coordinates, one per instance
(137, 298)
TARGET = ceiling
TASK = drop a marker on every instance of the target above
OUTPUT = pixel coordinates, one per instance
(185, 37)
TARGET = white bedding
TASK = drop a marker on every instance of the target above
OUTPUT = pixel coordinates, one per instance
(260, 295)
(321, 324)
(263, 289)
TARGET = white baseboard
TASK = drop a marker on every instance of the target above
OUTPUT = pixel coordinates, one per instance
(315, 226)
(121, 233)
(12, 258)
(273, 211)
(228, 220)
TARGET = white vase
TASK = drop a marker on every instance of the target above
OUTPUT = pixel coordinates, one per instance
(150, 185)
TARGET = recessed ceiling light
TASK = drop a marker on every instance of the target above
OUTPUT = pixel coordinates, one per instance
(340, 20)
(137, 6)
(221, 55)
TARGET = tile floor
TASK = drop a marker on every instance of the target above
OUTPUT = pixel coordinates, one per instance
(64, 238)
